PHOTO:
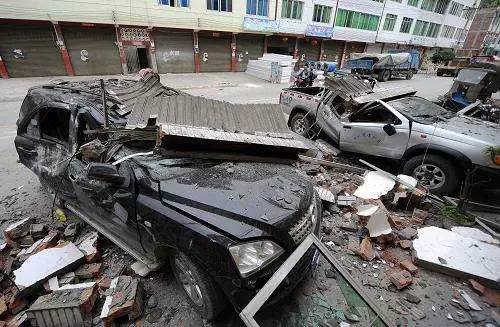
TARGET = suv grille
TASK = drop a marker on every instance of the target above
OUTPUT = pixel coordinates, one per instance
(305, 225)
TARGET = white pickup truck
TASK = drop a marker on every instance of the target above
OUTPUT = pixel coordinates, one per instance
(432, 144)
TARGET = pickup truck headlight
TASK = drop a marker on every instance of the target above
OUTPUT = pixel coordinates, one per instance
(496, 159)
(253, 256)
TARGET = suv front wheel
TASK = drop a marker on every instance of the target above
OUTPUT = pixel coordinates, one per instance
(203, 293)
(434, 172)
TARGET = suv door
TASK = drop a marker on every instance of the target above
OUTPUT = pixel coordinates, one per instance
(363, 132)
(42, 144)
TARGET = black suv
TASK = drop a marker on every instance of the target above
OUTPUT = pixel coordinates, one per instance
(225, 227)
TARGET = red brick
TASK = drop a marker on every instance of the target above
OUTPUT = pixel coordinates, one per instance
(91, 270)
(3, 307)
(405, 244)
(419, 216)
(409, 266)
(400, 278)
(17, 304)
(366, 250)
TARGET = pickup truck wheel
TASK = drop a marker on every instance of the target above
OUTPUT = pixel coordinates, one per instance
(439, 73)
(409, 75)
(203, 293)
(384, 75)
(436, 173)
(300, 124)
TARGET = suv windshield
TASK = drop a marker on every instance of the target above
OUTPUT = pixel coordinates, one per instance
(421, 110)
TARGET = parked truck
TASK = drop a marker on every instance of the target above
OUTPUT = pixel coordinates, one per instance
(383, 66)
(431, 143)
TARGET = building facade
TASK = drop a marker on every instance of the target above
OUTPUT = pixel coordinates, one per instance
(63, 37)
(483, 36)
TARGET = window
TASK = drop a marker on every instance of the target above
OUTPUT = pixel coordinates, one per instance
(433, 30)
(322, 14)
(456, 8)
(220, 5)
(354, 19)
(428, 5)
(468, 12)
(406, 25)
(448, 32)
(174, 3)
(257, 7)
(460, 34)
(413, 3)
(291, 9)
(390, 21)
(375, 114)
(420, 28)
(54, 124)
(441, 6)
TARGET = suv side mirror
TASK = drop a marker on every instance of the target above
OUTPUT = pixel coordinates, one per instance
(389, 129)
(104, 172)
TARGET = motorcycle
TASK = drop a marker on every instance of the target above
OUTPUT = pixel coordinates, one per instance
(304, 78)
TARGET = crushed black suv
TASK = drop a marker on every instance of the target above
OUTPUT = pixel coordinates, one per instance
(225, 221)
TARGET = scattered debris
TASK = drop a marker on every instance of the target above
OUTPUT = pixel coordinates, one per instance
(325, 194)
(125, 298)
(400, 278)
(345, 200)
(140, 268)
(377, 224)
(89, 247)
(472, 304)
(374, 186)
(475, 234)
(17, 230)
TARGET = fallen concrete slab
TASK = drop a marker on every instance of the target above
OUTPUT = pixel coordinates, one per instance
(378, 223)
(451, 253)
(374, 186)
(475, 233)
(47, 263)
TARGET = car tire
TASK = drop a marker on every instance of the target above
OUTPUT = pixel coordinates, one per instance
(409, 75)
(300, 124)
(206, 296)
(439, 73)
(384, 75)
(435, 170)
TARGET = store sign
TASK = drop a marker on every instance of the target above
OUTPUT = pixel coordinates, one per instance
(260, 24)
(321, 31)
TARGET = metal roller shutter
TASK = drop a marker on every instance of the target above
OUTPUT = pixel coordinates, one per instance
(93, 50)
(280, 44)
(30, 50)
(215, 52)
(174, 51)
(374, 48)
(248, 47)
(309, 48)
(332, 50)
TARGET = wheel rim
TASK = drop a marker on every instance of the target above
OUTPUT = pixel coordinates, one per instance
(387, 74)
(430, 176)
(299, 126)
(188, 282)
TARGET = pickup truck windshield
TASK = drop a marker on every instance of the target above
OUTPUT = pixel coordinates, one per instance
(421, 110)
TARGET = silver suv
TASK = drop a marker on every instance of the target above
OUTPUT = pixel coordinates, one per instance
(435, 145)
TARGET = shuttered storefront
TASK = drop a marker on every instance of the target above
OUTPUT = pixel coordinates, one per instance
(215, 52)
(374, 48)
(353, 47)
(309, 49)
(248, 47)
(280, 44)
(174, 51)
(92, 50)
(332, 50)
(30, 50)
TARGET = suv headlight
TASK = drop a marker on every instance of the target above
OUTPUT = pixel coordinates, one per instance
(253, 256)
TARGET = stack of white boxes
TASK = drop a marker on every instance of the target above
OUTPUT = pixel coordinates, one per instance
(272, 67)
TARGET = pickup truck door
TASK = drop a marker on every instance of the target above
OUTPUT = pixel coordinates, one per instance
(328, 118)
(377, 129)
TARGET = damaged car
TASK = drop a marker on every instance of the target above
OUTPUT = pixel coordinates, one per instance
(170, 177)
(432, 144)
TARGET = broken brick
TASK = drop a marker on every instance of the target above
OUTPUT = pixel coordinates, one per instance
(37, 231)
(407, 233)
(400, 278)
(419, 216)
(396, 222)
(366, 250)
(409, 266)
(17, 303)
(405, 244)
(477, 286)
(67, 278)
(19, 320)
(17, 229)
(3, 307)
(6, 264)
(395, 255)
(89, 247)
(90, 270)
(25, 241)
(48, 241)
(125, 298)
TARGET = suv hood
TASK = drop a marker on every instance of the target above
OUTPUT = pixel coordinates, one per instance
(470, 130)
(240, 200)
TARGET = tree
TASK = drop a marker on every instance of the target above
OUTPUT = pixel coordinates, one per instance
(443, 56)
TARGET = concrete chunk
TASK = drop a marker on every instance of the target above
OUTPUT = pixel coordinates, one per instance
(18, 229)
(374, 186)
(89, 247)
(47, 263)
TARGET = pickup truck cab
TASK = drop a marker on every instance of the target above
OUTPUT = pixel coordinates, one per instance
(434, 145)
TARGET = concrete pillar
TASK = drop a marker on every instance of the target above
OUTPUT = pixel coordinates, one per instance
(233, 53)
(296, 49)
(321, 50)
(62, 48)
(123, 56)
(266, 41)
(3, 69)
(152, 51)
(196, 51)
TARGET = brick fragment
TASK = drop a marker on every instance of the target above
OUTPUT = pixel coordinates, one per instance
(366, 250)
(400, 278)
(90, 270)
(419, 216)
(409, 266)
(405, 244)
(17, 230)
(125, 298)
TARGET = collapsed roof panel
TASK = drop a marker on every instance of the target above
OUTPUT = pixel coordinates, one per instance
(347, 86)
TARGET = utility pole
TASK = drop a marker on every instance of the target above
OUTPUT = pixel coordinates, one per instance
(380, 20)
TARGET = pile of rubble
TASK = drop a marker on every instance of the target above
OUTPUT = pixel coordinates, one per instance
(386, 221)
(55, 276)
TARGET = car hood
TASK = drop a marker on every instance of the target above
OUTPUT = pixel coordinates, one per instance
(470, 130)
(240, 200)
